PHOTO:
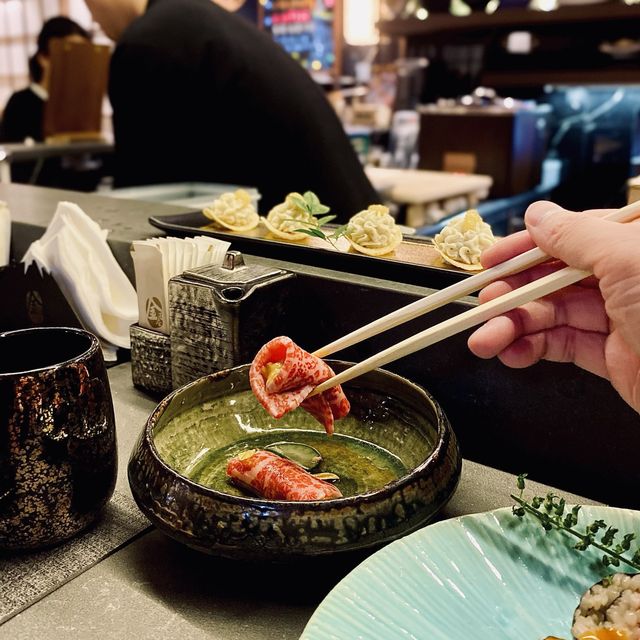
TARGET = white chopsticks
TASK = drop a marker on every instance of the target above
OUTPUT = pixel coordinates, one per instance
(435, 301)
(542, 287)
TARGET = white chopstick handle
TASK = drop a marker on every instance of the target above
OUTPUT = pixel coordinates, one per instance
(466, 320)
(435, 300)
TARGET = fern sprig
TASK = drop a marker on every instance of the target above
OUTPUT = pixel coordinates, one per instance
(551, 511)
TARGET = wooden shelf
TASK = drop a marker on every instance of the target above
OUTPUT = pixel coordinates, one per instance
(510, 19)
(560, 77)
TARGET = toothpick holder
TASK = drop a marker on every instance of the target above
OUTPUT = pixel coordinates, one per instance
(150, 359)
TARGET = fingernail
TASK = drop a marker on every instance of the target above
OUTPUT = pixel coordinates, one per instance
(537, 216)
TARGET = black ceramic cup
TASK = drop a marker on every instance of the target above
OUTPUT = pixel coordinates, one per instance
(58, 457)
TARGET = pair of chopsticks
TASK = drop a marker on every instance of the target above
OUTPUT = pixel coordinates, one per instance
(527, 293)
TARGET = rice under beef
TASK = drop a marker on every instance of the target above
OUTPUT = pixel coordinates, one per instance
(611, 604)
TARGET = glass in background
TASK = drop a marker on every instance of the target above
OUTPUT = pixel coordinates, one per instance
(595, 135)
(405, 128)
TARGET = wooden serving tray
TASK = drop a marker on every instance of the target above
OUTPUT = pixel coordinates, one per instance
(415, 260)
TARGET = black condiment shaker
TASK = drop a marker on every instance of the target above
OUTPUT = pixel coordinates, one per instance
(221, 315)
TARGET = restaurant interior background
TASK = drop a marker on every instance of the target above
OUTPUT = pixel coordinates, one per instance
(450, 104)
(542, 96)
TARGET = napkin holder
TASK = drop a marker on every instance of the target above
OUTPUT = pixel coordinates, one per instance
(32, 299)
(221, 315)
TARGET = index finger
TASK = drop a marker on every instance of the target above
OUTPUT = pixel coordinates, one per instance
(507, 248)
(519, 242)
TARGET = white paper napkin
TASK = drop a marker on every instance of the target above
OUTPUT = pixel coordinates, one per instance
(5, 234)
(74, 250)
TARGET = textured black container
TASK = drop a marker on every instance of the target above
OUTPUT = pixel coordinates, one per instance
(220, 315)
(58, 457)
(150, 359)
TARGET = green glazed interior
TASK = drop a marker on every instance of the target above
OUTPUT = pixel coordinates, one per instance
(392, 429)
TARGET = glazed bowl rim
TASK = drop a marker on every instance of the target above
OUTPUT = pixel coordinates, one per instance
(94, 345)
(442, 426)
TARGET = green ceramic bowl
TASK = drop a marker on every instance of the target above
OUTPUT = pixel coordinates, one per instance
(396, 455)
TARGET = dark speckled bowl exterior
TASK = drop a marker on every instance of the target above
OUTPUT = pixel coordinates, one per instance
(256, 529)
(58, 457)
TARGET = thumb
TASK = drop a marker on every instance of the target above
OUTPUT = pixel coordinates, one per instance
(578, 239)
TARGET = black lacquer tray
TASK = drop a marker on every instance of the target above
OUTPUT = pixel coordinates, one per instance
(415, 261)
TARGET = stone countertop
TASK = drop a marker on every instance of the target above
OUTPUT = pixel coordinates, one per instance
(154, 588)
(33, 207)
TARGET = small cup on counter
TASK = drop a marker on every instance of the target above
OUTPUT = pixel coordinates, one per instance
(58, 457)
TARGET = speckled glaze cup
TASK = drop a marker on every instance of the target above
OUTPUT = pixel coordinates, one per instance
(58, 457)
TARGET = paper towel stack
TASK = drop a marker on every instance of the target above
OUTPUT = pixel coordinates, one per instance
(75, 252)
(158, 260)
(5, 234)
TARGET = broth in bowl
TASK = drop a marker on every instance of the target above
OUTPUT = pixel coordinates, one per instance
(200, 441)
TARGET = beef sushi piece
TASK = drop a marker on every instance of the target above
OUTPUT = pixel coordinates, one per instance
(267, 475)
(610, 610)
(282, 375)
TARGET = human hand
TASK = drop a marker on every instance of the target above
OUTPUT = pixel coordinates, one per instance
(596, 323)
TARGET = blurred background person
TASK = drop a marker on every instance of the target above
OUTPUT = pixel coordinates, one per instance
(23, 117)
(24, 113)
(200, 94)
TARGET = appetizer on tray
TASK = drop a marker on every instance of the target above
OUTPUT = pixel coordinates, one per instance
(233, 211)
(463, 240)
(373, 231)
(290, 219)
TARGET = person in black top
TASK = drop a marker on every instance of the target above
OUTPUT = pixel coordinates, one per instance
(24, 112)
(200, 94)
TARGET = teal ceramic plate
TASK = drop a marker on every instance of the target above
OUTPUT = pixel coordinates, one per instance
(490, 576)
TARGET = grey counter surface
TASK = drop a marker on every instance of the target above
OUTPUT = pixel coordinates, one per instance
(19, 152)
(33, 207)
(154, 588)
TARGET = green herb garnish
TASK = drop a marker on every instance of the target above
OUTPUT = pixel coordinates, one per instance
(311, 205)
(314, 230)
(552, 513)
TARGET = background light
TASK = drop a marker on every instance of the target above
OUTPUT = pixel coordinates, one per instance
(360, 18)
